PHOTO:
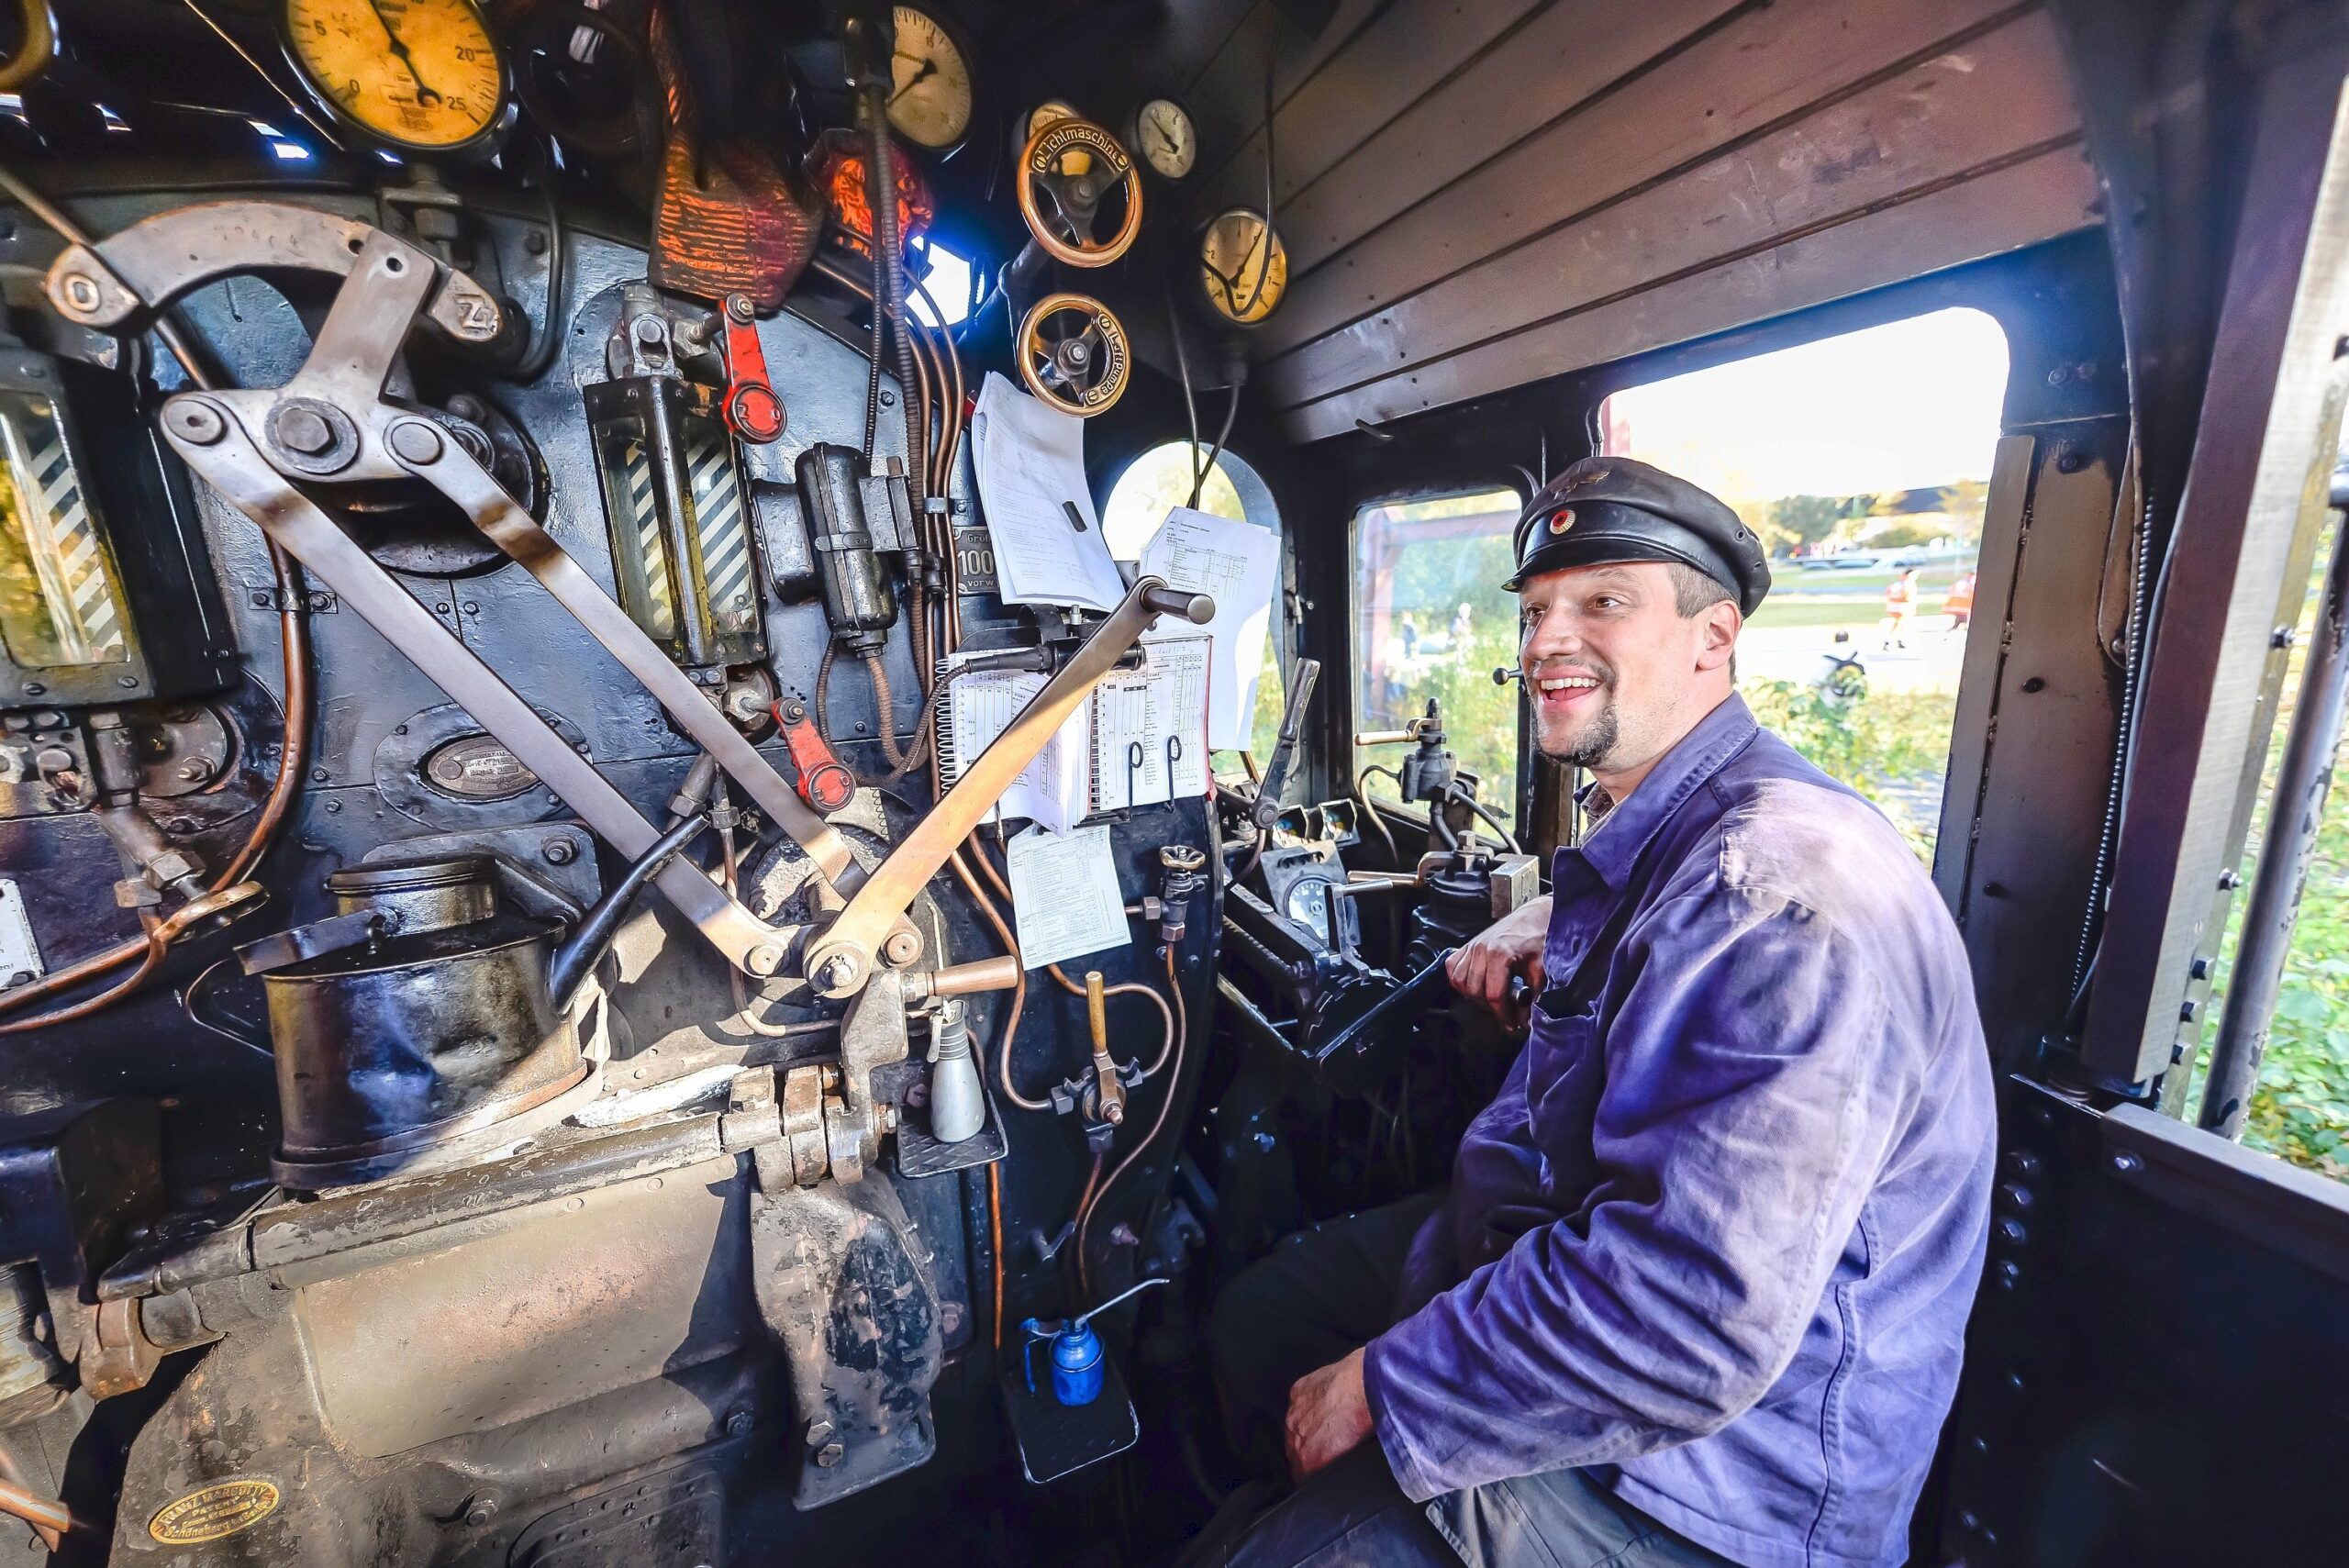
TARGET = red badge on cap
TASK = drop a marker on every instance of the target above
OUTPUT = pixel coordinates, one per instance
(1561, 519)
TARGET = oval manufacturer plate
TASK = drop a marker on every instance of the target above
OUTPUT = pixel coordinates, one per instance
(214, 1512)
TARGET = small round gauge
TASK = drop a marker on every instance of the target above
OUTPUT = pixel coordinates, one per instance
(421, 75)
(1164, 139)
(1309, 906)
(1243, 266)
(931, 91)
(1051, 111)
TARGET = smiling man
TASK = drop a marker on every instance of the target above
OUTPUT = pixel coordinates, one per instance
(1697, 1291)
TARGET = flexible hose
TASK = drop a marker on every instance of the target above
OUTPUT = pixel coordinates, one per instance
(887, 724)
(891, 304)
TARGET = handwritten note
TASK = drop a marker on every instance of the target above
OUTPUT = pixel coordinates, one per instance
(1239, 563)
(1064, 897)
(1030, 462)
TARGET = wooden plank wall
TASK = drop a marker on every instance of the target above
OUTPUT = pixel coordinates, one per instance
(1481, 193)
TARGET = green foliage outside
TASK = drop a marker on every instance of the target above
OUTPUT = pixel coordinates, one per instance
(1880, 744)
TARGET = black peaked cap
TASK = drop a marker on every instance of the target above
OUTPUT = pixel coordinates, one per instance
(1608, 509)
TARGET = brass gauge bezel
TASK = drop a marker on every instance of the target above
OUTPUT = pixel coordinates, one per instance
(1137, 143)
(491, 134)
(1208, 276)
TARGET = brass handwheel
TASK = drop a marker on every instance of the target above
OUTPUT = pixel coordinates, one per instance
(1062, 208)
(1073, 355)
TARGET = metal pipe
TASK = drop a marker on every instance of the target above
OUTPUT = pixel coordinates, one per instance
(602, 923)
(2303, 779)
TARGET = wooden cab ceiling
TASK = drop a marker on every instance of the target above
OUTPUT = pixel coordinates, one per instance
(1476, 193)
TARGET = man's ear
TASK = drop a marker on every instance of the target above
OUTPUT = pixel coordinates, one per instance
(1717, 636)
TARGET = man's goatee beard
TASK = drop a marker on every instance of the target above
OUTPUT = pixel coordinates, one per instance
(1595, 745)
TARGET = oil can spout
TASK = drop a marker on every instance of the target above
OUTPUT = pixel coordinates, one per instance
(579, 954)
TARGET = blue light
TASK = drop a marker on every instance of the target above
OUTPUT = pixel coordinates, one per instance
(292, 153)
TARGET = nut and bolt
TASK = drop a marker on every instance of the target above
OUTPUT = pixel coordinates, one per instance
(559, 852)
(303, 430)
(738, 1424)
(196, 770)
(479, 1511)
(413, 440)
(901, 948)
(2127, 1163)
(81, 293)
(195, 421)
(738, 306)
(830, 1456)
(837, 973)
(765, 959)
(819, 1432)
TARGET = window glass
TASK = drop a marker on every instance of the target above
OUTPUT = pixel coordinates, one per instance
(1160, 480)
(1431, 620)
(2299, 1107)
(1863, 461)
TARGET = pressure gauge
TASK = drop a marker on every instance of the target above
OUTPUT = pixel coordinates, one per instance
(931, 91)
(420, 76)
(1076, 164)
(1164, 139)
(1243, 266)
(1309, 906)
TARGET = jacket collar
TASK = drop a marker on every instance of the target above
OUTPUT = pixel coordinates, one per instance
(1615, 845)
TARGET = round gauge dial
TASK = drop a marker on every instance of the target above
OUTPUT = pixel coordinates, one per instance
(931, 91)
(1076, 164)
(1309, 906)
(1166, 138)
(1243, 266)
(422, 75)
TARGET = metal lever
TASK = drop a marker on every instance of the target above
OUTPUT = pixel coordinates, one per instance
(840, 961)
(1267, 808)
(1104, 1071)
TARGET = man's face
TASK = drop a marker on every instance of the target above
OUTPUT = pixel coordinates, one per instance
(1616, 675)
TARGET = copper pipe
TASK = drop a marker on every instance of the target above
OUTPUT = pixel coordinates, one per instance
(49, 1517)
(995, 1236)
(1010, 1031)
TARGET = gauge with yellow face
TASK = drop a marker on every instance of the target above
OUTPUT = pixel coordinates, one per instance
(418, 75)
(1243, 266)
(931, 90)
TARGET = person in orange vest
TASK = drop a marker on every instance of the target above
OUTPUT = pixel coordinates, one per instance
(1899, 604)
(1959, 603)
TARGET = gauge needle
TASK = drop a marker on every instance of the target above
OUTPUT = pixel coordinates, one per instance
(424, 94)
(928, 68)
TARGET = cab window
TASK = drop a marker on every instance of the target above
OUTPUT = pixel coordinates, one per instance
(1862, 461)
(1432, 623)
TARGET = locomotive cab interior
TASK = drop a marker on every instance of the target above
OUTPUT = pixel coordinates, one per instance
(734, 736)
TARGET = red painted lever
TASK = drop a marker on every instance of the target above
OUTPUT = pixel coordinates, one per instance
(825, 781)
(752, 408)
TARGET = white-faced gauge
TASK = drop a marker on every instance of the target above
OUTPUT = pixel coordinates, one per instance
(1243, 266)
(1165, 138)
(420, 76)
(930, 87)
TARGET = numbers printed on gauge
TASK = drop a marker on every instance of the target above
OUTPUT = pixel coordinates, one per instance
(421, 75)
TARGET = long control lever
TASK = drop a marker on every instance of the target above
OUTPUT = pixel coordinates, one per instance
(840, 961)
(1265, 809)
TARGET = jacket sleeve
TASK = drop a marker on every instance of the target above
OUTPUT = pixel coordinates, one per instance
(1495, 1173)
(1750, 1098)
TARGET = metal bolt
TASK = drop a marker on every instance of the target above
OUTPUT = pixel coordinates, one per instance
(2011, 1233)
(738, 306)
(888, 398)
(196, 770)
(413, 440)
(304, 430)
(2127, 1163)
(836, 974)
(902, 947)
(559, 852)
(127, 683)
(819, 1432)
(535, 242)
(195, 421)
(80, 293)
(830, 1456)
(480, 1511)
(765, 959)
(318, 774)
(738, 1424)
(333, 806)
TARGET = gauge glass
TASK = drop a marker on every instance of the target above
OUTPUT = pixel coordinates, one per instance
(1051, 111)
(1166, 137)
(1243, 266)
(421, 74)
(929, 91)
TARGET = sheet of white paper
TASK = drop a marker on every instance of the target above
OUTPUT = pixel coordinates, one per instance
(1051, 789)
(1149, 728)
(1030, 462)
(1239, 563)
(1064, 898)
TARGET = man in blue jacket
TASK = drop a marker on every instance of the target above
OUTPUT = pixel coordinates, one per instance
(1699, 1289)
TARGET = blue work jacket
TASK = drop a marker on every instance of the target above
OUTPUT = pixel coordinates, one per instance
(1717, 1238)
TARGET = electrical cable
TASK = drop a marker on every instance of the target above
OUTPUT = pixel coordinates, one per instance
(540, 356)
(1183, 376)
(1470, 801)
(188, 1009)
(1265, 268)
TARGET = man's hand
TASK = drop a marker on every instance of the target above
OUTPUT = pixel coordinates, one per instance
(1329, 1416)
(1509, 947)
